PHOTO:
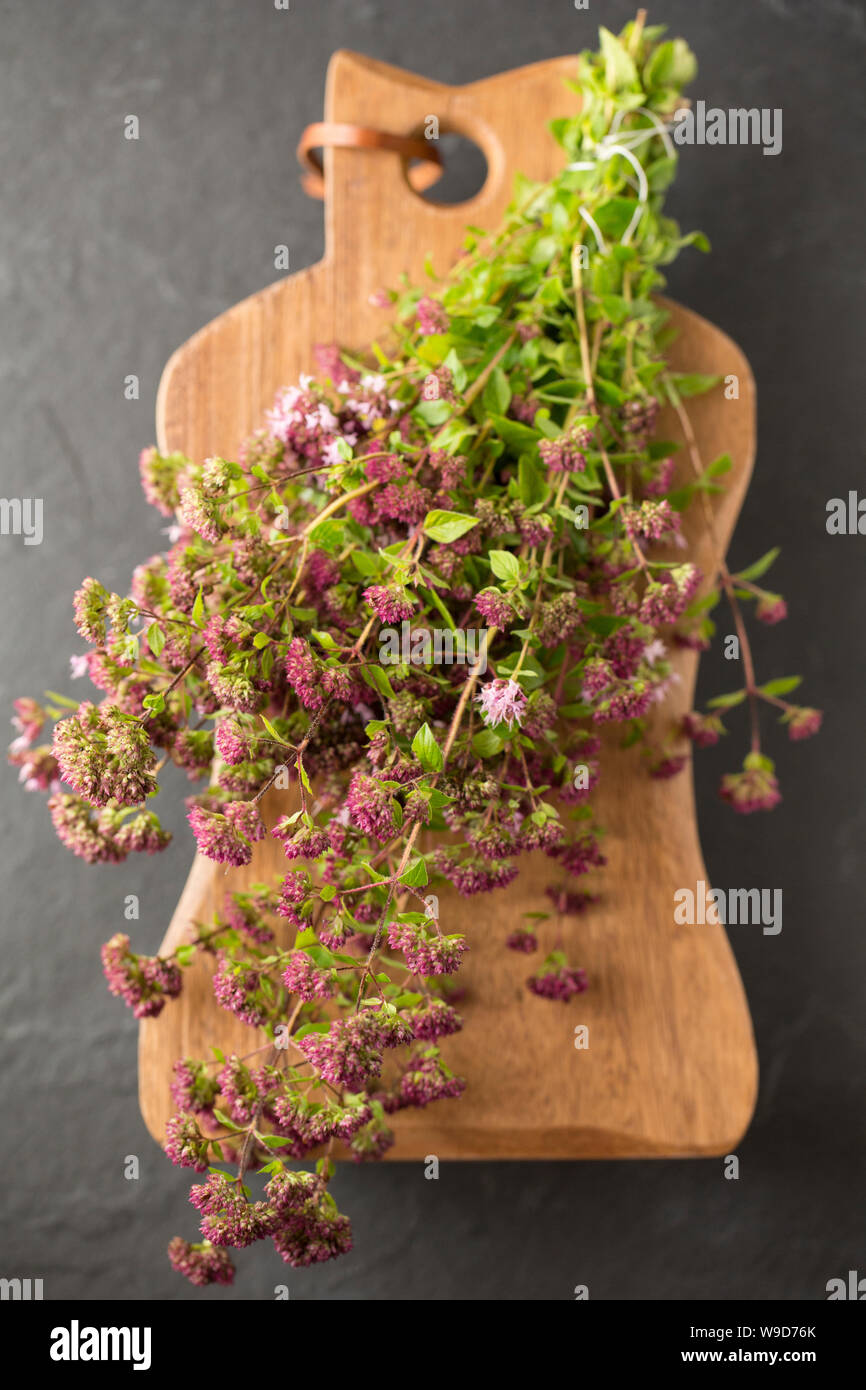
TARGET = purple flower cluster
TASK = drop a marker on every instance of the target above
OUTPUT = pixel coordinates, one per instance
(652, 521)
(561, 982)
(225, 832)
(471, 876)
(303, 673)
(350, 1053)
(703, 729)
(753, 789)
(432, 318)
(105, 755)
(308, 1124)
(193, 1089)
(227, 1217)
(312, 1235)
(494, 608)
(90, 838)
(294, 892)
(201, 1264)
(300, 842)
(523, 940)
(372, 1141)
(802, 721)
(239, 1090)
(305, 979)
(232, 742)
(185, 1144)
(502, 702)
(390, 602)
(245, 912)
(567, 453)
(371, 807)
(427, 1080)
(435, 1019)
(142, 982)
(639, 420)
(426, 952)
(236, 987)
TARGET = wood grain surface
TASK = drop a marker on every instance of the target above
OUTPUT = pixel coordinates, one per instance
(671, 1066)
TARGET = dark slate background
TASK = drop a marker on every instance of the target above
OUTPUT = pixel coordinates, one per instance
(113, 252)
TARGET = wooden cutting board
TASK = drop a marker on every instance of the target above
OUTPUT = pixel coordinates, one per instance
(671, 1066)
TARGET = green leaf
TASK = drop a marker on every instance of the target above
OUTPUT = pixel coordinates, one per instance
(496, 396)
(671, 64)
(530, 481)
(723, 464)
(377, 877)
(457, 369)
(63, 700)
(694, 383)
(695, 239)
(433, 412)
(366, 565)
(615, 215)
(310, 1028)
(505, 566)
(760, 566)
(198, 610)
(406, 1001)
(661, 173)
(416, 875)
(619, 69)
(487, 744)
(783, 685)
(431, 596)
(605, 624)
(735, 697)
(328, 535)
(517, 436)
(615, 307)
(448, 526)
(271, 730)
(378, 680)
(608, 391)
(427, 750)
(155, 638)
(452, 436)
(224, 1120)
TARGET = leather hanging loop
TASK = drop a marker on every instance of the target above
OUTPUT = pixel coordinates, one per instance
(327, 134)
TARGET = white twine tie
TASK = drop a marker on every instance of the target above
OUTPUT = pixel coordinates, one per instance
(614, 144)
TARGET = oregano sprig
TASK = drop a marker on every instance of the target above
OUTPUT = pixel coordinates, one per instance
(389, 635)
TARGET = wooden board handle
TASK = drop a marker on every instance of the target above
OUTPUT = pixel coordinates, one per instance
(397, 227)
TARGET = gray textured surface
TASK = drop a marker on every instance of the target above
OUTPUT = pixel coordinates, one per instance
(113, 252)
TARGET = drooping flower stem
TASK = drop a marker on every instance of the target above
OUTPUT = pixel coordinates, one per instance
(724, 573)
